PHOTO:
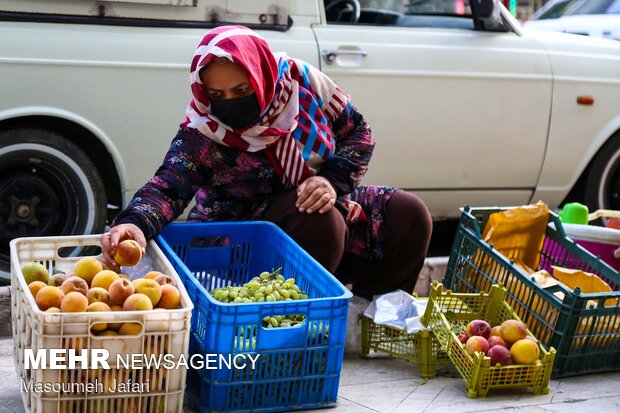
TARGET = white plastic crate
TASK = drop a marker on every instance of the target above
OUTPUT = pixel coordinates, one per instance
(163, 331)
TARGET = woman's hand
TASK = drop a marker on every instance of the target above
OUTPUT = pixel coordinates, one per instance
(111, 239)
(315, 193)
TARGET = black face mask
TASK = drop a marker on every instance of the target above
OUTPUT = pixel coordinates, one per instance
(238, 112)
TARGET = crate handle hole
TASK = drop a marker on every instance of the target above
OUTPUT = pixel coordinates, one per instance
(79, 251)
(278, 322)
(210, 242)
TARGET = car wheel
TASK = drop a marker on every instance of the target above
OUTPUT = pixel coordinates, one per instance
(603, 180)
(48, 186)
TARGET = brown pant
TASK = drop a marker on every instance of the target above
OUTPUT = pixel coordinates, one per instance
(408, 228)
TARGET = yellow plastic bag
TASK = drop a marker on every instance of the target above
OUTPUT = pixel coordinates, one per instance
(602, 329)
(587, 282)
(519, 233)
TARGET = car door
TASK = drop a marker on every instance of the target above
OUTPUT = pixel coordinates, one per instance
(459, 115)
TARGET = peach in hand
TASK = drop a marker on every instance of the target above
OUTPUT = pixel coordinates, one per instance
(128, 253)
(150, 288)
(48, 297)
(119, 291)
(74, 302)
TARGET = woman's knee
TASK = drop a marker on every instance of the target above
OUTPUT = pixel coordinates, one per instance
(409, 211)
(322, 235)
(315, 232)
(327, 226)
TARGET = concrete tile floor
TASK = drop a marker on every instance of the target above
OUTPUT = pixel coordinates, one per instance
(382, 384)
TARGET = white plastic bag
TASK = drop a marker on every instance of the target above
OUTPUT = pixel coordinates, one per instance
(397, 309)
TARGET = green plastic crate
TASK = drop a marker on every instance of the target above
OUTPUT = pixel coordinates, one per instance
(586, 336)
(421, 347)
(448, 313)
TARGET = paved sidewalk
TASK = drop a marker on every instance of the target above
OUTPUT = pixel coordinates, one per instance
(381, 384)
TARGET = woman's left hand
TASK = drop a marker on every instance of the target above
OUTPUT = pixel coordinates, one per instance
(315, 193)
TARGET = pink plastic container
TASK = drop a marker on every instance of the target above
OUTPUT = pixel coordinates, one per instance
(600, 241)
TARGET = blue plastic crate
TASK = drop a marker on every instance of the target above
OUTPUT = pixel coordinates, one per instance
(298, 367)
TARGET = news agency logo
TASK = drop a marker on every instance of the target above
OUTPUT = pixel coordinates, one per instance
(63, 359)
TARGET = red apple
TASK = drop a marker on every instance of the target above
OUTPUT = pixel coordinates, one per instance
(479, 328)
(497, 341)
(499, 355)
(477, 343)
(463, 337)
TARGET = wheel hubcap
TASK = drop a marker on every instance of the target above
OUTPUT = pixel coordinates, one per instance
(23, 211)
(32, 200)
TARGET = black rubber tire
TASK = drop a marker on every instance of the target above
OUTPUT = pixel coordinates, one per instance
(48, 186)
(602, 185)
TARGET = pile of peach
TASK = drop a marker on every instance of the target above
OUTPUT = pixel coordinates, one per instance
(505, 344)
(92, 286)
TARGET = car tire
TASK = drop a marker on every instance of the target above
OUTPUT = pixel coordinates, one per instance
(602, 185)
(48, 186)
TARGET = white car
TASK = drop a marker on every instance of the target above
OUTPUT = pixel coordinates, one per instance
(597, 18)
(93, 92)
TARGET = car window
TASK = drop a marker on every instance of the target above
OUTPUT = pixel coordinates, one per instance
(443, 7)
(445, 14)
(595, 7)
(556, 10)
(614, 8)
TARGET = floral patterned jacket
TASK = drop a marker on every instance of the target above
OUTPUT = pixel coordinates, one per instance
(232, 185)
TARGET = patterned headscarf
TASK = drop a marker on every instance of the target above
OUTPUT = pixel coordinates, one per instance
(297, 103)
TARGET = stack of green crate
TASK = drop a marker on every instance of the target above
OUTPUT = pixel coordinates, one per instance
(583, 327)
(449, 313)
(421, 347)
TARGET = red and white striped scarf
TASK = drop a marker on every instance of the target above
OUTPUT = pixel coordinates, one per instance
(294, 130)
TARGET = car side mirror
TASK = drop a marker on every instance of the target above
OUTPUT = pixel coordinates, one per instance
(487, 15)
